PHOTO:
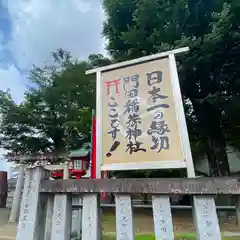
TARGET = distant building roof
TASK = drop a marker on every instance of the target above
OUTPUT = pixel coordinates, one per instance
(81, 152)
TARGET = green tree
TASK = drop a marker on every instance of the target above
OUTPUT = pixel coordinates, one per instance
(208, 73)
(98, 60)
(55, 115)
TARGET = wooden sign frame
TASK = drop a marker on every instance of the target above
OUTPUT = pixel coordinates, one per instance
(187, 162)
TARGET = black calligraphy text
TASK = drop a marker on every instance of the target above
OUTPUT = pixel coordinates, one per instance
(158, 129)
(114, 124)
(131, 110)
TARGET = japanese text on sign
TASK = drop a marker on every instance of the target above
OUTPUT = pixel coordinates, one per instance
(139, 117)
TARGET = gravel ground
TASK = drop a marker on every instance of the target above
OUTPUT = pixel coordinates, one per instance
(182, 222)
(7, 231)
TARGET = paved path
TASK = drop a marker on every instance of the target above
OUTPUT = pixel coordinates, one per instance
(7, 231)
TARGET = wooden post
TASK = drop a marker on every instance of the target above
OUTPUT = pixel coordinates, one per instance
(31, 222)
(3, 189)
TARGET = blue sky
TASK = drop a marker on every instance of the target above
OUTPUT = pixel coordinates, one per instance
(31, 29)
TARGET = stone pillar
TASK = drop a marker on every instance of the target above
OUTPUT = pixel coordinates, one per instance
(32, 217)
(77, 217)
(91, 226)
(15, 210)
(238, 211)
(66, 170)
(62, 212)
(49, 215)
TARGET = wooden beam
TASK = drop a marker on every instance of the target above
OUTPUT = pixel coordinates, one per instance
(137, 60)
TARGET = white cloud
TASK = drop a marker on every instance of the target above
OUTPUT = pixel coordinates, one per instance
(42, 26)
(11, 79)
(39, 27)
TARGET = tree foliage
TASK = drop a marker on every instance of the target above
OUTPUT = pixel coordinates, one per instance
(55, 115)
(209, 73)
